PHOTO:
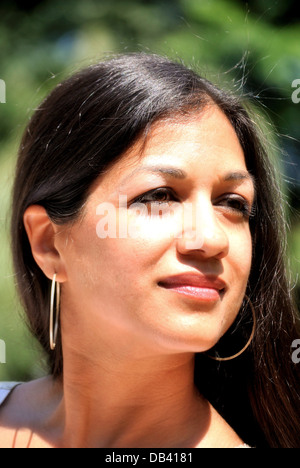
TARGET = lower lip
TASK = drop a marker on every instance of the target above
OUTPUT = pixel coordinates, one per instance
(202, 294)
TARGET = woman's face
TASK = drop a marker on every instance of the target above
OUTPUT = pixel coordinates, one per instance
(122, 261)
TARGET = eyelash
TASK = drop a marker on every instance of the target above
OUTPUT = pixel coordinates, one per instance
(244, 209)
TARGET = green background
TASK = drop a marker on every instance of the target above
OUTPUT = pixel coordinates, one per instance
(251, 47)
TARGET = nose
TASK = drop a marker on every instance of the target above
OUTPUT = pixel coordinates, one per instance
(202, 231)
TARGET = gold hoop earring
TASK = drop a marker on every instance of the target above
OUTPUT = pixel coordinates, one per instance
(229, 358)
(53, 327)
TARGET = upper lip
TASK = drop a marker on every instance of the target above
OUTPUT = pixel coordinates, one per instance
(194, 279)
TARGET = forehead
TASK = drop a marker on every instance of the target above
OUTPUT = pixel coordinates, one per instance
(203, 136)
(205, 141)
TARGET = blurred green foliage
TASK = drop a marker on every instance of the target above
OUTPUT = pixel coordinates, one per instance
(253, 48)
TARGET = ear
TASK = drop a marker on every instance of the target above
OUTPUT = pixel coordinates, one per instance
(41, 233)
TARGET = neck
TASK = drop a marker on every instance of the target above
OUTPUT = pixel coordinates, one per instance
(122, 402)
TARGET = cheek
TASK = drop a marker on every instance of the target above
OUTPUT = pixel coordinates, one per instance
(240, 253)
(151, 224)
(115, 261)
(237, 270)
(138, 240)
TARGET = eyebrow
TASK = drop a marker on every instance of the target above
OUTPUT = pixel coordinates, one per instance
(236, 176)
(171, 171)
(239, 176)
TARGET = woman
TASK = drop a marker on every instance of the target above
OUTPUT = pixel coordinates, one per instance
(147, 237)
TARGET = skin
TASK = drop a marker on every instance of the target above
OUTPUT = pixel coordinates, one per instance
(129, 344)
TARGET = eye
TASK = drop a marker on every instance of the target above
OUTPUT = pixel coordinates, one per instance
(236, 204)
(160, 196)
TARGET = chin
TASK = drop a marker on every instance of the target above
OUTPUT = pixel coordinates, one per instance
(189, 343)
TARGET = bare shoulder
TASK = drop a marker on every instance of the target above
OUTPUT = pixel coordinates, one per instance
(25, 410)
(26, 398)
(220, 434)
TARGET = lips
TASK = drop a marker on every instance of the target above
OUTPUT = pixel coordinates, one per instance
(206, 288)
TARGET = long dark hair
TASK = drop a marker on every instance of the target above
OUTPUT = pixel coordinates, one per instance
(75, 135)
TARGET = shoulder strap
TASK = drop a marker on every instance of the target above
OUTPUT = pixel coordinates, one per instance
(5, 389)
